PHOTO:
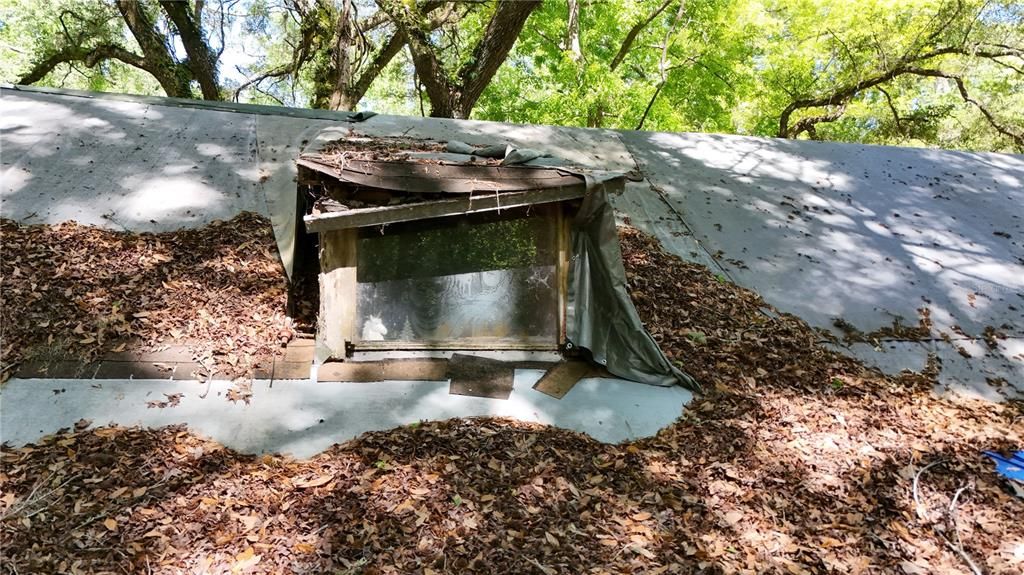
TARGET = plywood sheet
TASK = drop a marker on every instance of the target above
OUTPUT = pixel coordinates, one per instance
(389, 370)
(562, 377)
(480, 376)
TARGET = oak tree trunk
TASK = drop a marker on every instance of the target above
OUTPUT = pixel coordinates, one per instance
(454, 95)
(201, 60)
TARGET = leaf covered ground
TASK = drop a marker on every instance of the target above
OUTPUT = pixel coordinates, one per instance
(794, 460)
(73, 292)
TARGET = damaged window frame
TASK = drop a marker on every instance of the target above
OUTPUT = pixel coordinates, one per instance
(446, 190)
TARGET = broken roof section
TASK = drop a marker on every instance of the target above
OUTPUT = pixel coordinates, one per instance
(365, 181)
(417, 179)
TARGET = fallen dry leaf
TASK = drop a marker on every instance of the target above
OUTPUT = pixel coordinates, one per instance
(759, 475)
(98, 292)
(315, 482)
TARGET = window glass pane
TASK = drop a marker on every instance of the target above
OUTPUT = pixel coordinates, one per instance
(486, 278)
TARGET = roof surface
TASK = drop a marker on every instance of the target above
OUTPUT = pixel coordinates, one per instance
(869, 234)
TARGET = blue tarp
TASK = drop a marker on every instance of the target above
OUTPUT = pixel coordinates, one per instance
(1011, 467)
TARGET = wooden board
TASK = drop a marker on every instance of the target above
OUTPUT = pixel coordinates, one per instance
(561, 378)
(337, 318)
(480, 377)
(563, 231)
(389, 370)
(435, 209)
(433, 177)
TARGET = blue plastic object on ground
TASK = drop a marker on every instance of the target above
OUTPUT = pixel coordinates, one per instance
(1010, 467)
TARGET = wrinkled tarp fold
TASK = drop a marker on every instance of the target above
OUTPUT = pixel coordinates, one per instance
(600, 316)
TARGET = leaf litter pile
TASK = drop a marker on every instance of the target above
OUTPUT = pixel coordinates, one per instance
(73, 292)
(795, 459)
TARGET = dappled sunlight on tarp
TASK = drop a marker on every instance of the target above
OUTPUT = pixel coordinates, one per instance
(303, 418)
(867, 233)
(152, 197)
(125, 164)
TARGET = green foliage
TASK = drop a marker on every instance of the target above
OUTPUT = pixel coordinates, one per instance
(29, 28)
(731, 66)
(393, 91)
(706, 50)
(734, 66)
(809, 48)
(698, 337)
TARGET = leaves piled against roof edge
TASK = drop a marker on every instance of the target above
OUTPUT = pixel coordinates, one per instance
(78, 292)
(722, 333)
(785, 471)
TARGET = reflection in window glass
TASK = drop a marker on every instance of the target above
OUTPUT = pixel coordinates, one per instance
(489, 277)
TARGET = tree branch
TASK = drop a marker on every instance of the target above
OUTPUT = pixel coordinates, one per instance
(430, 71)
(223, 45)
(1008, 65)
(663, 62)
(627, 43)
(90, 57)
(373, 21)
(892, 108)
(268, 94)
(309, 29)
(153, 43)
(976, 50)
(455, 96)
(843, 95)
(572, 32)
(255, 81)
(1017, 136)
(810, 123)
(501, 34)
(387, 52)
(156, 49)
(650, 104)
(344, 33)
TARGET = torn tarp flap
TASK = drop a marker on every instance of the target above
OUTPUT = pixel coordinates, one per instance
(600, 316)
(494, 151)
(509, 155)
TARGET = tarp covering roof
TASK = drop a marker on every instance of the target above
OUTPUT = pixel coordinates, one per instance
(868, 234)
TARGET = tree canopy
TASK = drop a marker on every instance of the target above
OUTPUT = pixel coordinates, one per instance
(946, 73)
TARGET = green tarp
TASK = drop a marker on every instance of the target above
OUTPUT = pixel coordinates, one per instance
(600, 316)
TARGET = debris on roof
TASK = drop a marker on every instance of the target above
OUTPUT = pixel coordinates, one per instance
(359, 181)
(82, 293)
(382, 148)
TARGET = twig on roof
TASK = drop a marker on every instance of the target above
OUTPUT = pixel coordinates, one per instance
(919, 508)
